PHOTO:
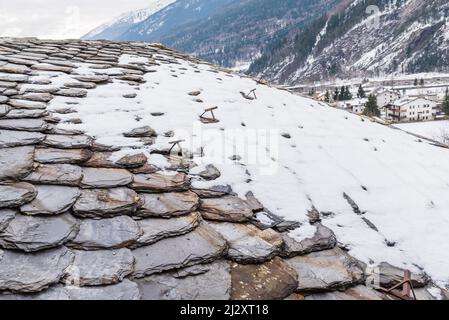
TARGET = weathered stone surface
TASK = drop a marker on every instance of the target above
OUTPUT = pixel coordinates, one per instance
(80, 85)
(160, 183)
(6, 216)
(248, 244)
(156, 229)
(104, 203)
(51, 200)
(38, 233)
(265, 220)
(105, 178)
(61, 156)
(113, 233)
(93, 79)
(389, 276)
(38, 97)
(20, 272)
(213, 192)
(168, 204)
(253, 202)
(50, 67)
(272, 280)
(202, 245)
(25, 104)
(132, 161)
(141, 132)
(13, 77)
(73, 93)
(323, 239)
(16, 194)
(26, 113)
(14, 68)
(4, 109)
(356, 293)
(228, 208)
(201, 282)
(99, 268)
(33, 125)
(68, 141)
(326, 270)
(60, 174)
(210, 173)
(16, 162)
(100, 160)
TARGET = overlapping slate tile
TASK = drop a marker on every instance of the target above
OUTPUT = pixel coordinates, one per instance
(106, 202)
(248, 244)
(16, 194)
(145, 131)
(323, 239)
(31, 234)
(61, 156)
(389, 276)
(26, 114)
(155, 183)
(156, 229)
(167, 205)
(228, 208)
(33, 96)
(112, 233)
(99, 268)
(68, 141)
(200, 246)
(25, 104)
(51, 200)
(213, 192)
(327, 270)
(16, 162)
(24, 272)
(271, 280)
(132, 161)
(105, 178)
(202, 282)
(6, 215)
(32, 125)
(58, 174)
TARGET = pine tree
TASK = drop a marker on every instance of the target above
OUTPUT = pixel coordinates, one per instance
(416, 82)
(327, 97)
(341, 97)
(421, 82)
(348, 94)
(446, 103)
(336, 94)
(371, 108)
(361, 93)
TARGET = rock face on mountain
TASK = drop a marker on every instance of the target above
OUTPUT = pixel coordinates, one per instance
(362, 38)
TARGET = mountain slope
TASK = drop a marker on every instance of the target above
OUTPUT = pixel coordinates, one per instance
(121, 24)
(410, 36)
(173, 17)
(236, 35)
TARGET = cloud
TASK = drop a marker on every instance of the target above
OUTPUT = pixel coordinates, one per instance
(59, 19)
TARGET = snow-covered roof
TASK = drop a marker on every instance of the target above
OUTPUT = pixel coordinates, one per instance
(93, 205)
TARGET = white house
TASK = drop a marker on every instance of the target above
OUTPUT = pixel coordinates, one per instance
(412, 109)
(354, 105)
(386, 96)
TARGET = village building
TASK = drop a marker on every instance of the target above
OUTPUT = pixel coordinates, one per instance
(412, 109)
(385, 96)
(355, 105)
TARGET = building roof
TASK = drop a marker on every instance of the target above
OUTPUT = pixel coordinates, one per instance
(85, 218)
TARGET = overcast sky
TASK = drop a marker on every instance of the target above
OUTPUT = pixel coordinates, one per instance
(59, 19)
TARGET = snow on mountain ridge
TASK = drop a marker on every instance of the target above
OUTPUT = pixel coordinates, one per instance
(130, 18)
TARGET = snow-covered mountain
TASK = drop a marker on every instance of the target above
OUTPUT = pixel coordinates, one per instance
(363, 38)
(121, 24)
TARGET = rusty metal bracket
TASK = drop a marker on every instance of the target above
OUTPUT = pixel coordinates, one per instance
(207, 119)
(407, 288)
(176, 143)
